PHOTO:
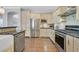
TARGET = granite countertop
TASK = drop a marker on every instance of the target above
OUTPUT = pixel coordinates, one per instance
(8, 27)
(46, 28)
(11, 33)
(70, 32)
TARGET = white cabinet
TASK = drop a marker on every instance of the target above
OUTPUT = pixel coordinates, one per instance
(48, 33)
(47, 16)
(77, 13)
(76, 44)
(55, 18)
(6, 43)
(52, 35)
(63, 9)
(72, 44)
(58, 11)
(69, 43)
(49, 19)
(43, 33)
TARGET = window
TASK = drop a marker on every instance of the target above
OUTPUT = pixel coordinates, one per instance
(1, 21)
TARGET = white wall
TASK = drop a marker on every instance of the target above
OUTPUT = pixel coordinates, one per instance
(25, 22)
(1, 21)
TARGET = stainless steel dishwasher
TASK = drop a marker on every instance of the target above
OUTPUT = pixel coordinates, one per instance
(19, 41)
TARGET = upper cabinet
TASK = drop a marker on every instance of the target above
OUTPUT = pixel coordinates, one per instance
(55, 15)
(55, 18)
(77, 13)
(62, 12)
(47, 16)
(58, 11)
(67, 10)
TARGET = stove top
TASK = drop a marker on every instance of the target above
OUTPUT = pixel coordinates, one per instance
(70, 32)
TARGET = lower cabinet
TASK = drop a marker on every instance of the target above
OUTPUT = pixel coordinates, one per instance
(52, 35)
(76, 44)
(48, 33)
(72, 44)
(69, 43)
(43, 33)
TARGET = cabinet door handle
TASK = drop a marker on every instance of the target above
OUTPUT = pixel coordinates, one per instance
(77, 49)
(68, 42)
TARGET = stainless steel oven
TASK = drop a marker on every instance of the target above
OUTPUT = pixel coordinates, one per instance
(60, 40)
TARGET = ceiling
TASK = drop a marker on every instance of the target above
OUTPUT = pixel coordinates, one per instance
(37, 9)
(40, 9)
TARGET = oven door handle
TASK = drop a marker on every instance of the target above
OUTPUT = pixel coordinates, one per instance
(61, 35)
(68, 42)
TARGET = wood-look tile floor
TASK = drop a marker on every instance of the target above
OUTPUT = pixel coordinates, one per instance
(39, 45)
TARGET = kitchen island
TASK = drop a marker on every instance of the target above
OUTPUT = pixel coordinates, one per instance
(8, 29)
(6, 43)
(15, 38)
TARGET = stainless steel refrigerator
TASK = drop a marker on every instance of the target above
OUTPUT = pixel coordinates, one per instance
(35, 27)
